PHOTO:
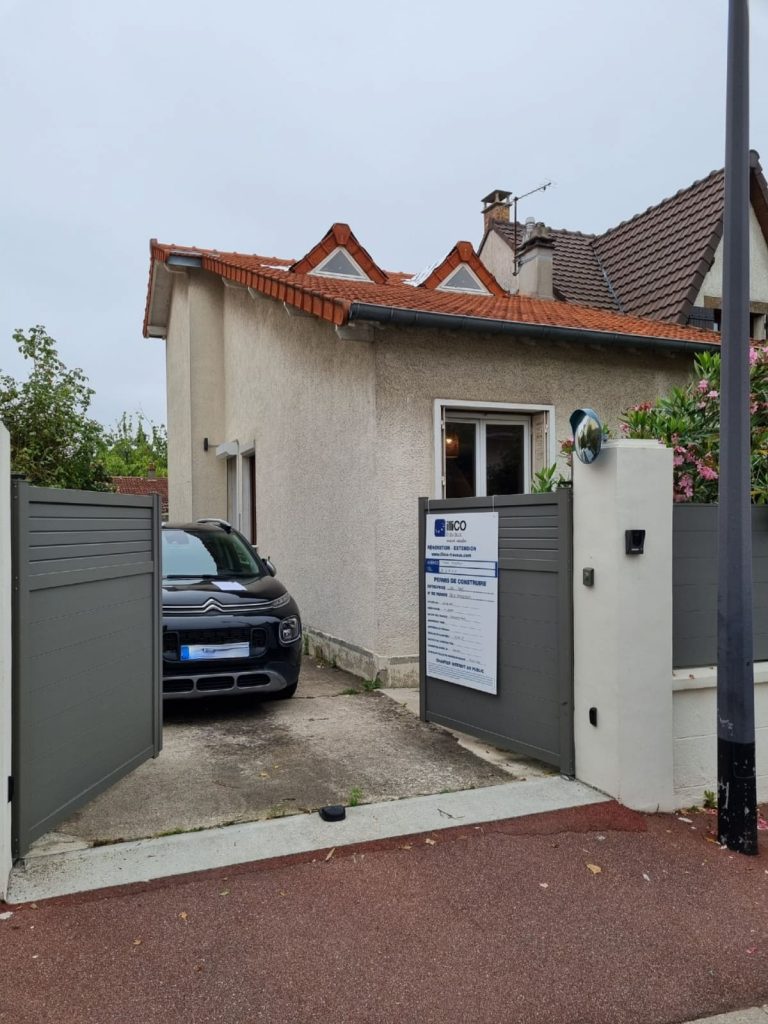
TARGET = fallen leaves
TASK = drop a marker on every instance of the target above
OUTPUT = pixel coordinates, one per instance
(431, 842)
(330, 854)
(543, 885)
(595, 869)
(224, 892)
(184, 916)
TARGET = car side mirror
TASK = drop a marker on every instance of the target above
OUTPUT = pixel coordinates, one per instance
(269, 565)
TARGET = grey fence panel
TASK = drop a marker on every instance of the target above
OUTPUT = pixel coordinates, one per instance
(532, 712)
(86, 648)
(694, 584)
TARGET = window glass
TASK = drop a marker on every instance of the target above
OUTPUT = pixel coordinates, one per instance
(505, 458)
(340, 264)
(463, 281)
(459, 460)
(211, 553)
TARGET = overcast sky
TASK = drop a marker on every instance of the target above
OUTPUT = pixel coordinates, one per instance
(252, 126)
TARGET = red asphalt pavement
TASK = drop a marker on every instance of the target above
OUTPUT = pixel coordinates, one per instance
(505, 922)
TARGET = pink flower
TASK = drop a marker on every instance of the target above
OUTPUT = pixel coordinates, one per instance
(753, 356)
(713, 394)
(707, 473)
(677, 460)
(685, 486)
(703, 385)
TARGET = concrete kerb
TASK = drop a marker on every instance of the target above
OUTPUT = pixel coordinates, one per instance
(59, 874)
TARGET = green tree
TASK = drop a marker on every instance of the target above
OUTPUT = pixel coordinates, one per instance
(131, 448)
(54, 443)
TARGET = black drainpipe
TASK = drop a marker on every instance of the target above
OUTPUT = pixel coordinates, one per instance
(366, 312)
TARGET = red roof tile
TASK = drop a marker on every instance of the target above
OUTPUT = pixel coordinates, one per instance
(331, 299)
(143, 485)
(462, 252)
(339, 236)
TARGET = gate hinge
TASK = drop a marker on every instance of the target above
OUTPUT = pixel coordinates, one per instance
(10, 788)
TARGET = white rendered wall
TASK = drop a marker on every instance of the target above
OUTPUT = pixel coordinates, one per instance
(305, 398)
(623, 624)
(712, 285)
(695, 733)
(5, 656)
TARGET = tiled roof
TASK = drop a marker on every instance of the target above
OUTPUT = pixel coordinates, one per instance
(657, 260)
(331, 299)
(340, 236)
(462, 252)
(576, 272)
(143, 485)
(652, 265)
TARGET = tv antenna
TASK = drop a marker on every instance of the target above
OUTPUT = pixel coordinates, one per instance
(515, 201)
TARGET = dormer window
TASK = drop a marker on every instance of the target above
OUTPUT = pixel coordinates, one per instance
(463, 279)
(340, 264)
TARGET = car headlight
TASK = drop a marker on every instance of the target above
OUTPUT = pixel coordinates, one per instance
(289, 630)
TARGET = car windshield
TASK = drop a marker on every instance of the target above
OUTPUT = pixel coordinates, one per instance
(213, 554)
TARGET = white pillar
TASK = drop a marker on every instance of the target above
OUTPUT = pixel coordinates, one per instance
(623, 624)
(5, 658)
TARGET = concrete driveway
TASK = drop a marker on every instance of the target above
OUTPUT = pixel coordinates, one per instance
(229, 760)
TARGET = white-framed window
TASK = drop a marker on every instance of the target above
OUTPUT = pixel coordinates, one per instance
(485, 448)
(340, 264)
(463, 279)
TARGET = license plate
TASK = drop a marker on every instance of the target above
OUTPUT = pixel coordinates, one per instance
(214, 652)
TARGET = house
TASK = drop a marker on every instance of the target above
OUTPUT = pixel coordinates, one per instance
(665, 263)
(312, 401)
(149, 484)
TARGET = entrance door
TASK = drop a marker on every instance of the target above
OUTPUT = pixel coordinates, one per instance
(86, 648)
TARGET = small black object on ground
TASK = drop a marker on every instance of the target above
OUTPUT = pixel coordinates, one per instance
(333, 812)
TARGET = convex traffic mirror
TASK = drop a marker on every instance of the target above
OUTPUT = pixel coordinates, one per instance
(587, 434)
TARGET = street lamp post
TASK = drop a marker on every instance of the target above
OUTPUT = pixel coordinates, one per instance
(737, 798)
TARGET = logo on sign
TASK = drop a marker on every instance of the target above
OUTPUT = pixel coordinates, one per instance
(439, 527)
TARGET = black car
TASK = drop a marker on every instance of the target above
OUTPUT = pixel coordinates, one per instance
(228, 625)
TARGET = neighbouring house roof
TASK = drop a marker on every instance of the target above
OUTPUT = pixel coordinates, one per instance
(341, 301)
(143, 485)
(652, 265)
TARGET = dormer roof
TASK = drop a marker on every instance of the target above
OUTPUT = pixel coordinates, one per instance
(461, 271)
(336, 244)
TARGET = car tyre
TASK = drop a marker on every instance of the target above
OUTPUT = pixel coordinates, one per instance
(287, 693)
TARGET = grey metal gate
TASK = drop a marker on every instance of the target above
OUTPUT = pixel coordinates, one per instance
(694, 584)
(532, 712)
(86, 648)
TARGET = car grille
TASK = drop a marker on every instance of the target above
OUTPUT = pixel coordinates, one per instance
(217, 636)
(258, 638)
(243, 681)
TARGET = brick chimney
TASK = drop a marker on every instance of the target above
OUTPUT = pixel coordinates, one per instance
(495, 207)
(534, 259)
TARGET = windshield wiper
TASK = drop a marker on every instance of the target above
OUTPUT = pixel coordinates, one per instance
(191, 576)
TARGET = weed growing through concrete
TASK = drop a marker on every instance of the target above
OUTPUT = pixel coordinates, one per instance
(369, 685)
(351, 692)
(355, 796)
(710, 800)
